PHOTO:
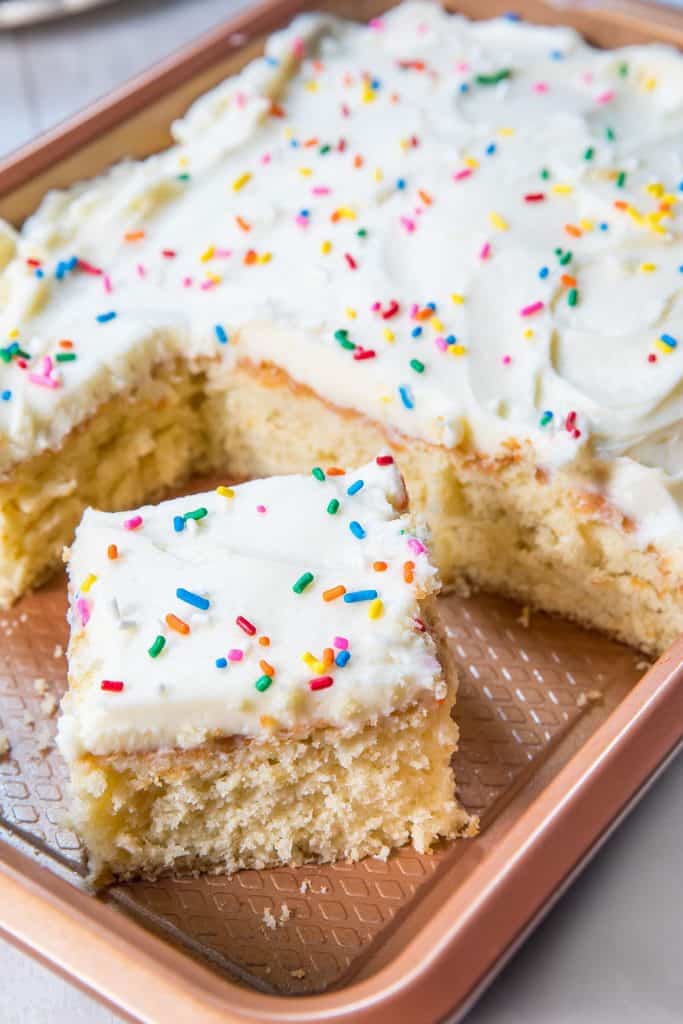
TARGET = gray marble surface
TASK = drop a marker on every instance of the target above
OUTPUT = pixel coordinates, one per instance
(611, 952)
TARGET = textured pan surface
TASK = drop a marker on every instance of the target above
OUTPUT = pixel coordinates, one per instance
(522, 706)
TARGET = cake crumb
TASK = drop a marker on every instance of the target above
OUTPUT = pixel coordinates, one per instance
(28, 719)
(285, 914)
(525, 617)
(590, 697)
(48, 704)
(4, 744)
(23, 617)
(383, 854)
(643, 665)
(40, 686)
(268, 919)
(298, 973)
(305, 886)
(58, 651)
(272, 922)
(44, 740)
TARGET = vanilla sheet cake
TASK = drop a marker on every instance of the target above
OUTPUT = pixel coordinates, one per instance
(254, 680)
(461, 240)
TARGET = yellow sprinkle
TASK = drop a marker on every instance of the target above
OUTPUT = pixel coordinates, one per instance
(587, 225)
(436, 324)
(87, 583)
(240, 182)
(351, 313)
(344, 212)
(225, 492)
(207, 254)
(650, 83)
(319, 667)
(305, 172)
(289, 132)
(529, 333)
(368, 93)
(311, 86)
(471, 162)
(670, 199)
(655, 188)
(506, 132)
(457, 350)
(647, 268)
(325, 247)
(183, 161)
(562, 190)
(379, 174)
(635, 215)
(388, 334)
(13, 334)
(498, 222)
(663, 347)
(457, 298)
(376, 609)
(309, 659)
(265, 257)
(216, 278)
(386, 399)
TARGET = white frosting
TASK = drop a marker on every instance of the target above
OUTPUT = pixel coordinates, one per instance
(392, 130)
(245, 557)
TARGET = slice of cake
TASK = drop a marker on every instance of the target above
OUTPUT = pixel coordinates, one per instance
(254, 680)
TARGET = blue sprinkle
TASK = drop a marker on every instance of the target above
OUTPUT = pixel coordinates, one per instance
(680, 186)
(354, 596)
(543, 273)
(400, 183)
(464, 87)
(221, 334)
(294, 143)
(103, 318)
(194, 599)
(342, 658)
(60, 270)
(604, 226)
(451, 339)
(375, 84)
(178, 524)
(40, 272)
(221, 662)
(491, 149)
(72, 263)
(556, 55)
(512, 16)
(668, 340)
(6, 395)
(304, 213)
(406, 397)
(546, 418)
(416, 332)
(355, 487)
(432, 306)
(356, 529)
(273, 61)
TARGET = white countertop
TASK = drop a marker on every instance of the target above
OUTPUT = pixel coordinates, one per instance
(610, 952)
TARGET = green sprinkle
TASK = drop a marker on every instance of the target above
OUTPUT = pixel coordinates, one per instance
(318, 473)
(333, 506)
(609, 134)
(572, 297)
(263, 683)
(565, 258)
(417, 366)
(589, 153)
(623, 69)
(325, 149)
(362, 232)
(621, 178)
(546, 418)
(342, 336)
(157, 647)
(545, 173)
(5, 355)
(65, 357)
(304, 581)
(197, 513)
(183, 177)
(494, 78)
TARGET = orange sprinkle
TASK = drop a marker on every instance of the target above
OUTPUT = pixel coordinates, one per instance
(379, 566)
(242, 223)
(358, 160)
(133, 236)
(336, 471)
(620, 204)
(250, 256)
(112, 552)
(425, 197)
(328, 657)
(424, 314)
(572, 230)
(267, 668)
(65, 343)
(409, 571)
(333, 593)
(276, 110)
(568, 281)
(264, 641)
(175, 623)
(310, 142)
(268, 722)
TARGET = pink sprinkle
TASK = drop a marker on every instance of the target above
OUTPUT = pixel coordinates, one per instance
(341, 643)
(106, 280)
(408, 224)
(207, 285)
(83, 609)
(506, 360)
(43, 382)
(187, 282)
(605, 97)
(241, 99)
(461, 175)
(462, 65)
(441, 343)
(586, 76)
(321, 190)
(414, 310)
(235, 654)
(261, 509)
(301, 220)
(377, 24)
(534, 307)
(485, 251)
(540, 87)
(298, 48)
(222, 254)
(133, 523)
(266, 158)
(141, 270)
(416, 546)
(375, 307)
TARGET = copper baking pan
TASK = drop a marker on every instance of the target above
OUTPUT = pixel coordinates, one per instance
(562, 731)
